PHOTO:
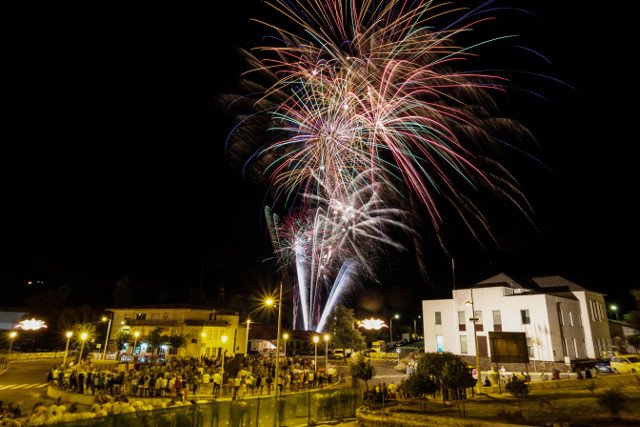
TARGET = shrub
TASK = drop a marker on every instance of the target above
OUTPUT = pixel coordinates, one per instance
(518, 387)
(614, 400)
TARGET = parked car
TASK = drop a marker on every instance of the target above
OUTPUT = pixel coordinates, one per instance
(603, 366)
(625, 363)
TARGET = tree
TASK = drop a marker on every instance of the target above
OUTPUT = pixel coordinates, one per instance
(447, 370)
(345, 334)
(121, 339)
(419, 384)
(156, 339)
(362, 369)
(177, 341)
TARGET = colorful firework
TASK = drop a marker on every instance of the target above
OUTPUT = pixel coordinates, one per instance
(372, 104)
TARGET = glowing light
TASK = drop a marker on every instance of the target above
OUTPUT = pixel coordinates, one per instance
(372, 324)
(31, 324)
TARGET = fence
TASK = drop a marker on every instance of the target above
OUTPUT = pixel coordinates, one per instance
(292, 409)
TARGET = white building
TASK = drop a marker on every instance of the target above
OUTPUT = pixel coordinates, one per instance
(560, 318)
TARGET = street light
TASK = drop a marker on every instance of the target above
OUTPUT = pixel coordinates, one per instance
(12, 336)
(285, 337)
(326, 351)
(224, 340)
(136, 334)
(83, 337)
(66, 349)
(475, 339)
(395, 316)
(315, 358)
(614, 308)
(415, 329)
(269, 302)
(106, 340)
(246, 347)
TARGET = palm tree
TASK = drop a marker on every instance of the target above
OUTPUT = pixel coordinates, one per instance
(156, 339)
(177, 341)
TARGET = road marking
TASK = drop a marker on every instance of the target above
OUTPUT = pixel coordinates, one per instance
(22, 386)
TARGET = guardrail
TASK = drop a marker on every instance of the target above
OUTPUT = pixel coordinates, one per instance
(33, 356)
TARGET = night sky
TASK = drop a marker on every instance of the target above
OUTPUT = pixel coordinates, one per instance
(113, 157)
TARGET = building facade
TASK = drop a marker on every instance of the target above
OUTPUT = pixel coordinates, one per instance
(561, 320)
(208, 332)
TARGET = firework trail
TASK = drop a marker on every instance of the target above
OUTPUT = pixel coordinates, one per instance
(370, 104)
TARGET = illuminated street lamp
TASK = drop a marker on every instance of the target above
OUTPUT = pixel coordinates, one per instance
(136, 334)
(83, 337)
(315, 358)
(12, 336)
(106, 340)
(614, 308)
(474, 319)
(395, 316)
(326, 350)
(224, 340)
(66, 349)
(270, 302)
(285, 337)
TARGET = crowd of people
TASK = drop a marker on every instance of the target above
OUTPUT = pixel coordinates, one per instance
(184, 377)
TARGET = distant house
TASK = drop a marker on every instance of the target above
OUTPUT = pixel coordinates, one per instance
(620, 333)
(208, 332)
(562, 320)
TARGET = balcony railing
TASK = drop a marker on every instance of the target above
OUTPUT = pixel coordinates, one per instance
(151, 322)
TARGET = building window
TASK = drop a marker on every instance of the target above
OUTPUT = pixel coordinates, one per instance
(141, 316)
(579, 319)
(592, 306)
(575, 347)
(462, 321)
(463, 345)
(530, 347)
(497, 321)
(570, 318)
(524, 315)
(438, 318)
(478, 316)
(561, 317)
(439, 344)
(564, 347)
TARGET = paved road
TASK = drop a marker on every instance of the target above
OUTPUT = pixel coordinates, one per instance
(25, 381)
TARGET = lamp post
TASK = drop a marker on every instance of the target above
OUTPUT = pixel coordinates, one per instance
(395, 316)
(326, 351)
(136, 334)
(415, 329)
(270, 302)
(83, 337)
(203, 335)
(106, 340)
(285, 337)
(224, 340)
(66, 349)
(12, 336)
(315, 357)
(246, 347)
(475, 340)
(614, 308)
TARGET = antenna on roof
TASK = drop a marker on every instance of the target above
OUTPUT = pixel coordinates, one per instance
(453, 272)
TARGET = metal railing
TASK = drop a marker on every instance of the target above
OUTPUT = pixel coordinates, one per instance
(290, 409)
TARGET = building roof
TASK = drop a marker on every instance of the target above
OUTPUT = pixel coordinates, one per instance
(543, 284)
(219, 311)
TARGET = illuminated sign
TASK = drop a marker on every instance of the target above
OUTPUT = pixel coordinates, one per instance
(372, 323)
(31, 324)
